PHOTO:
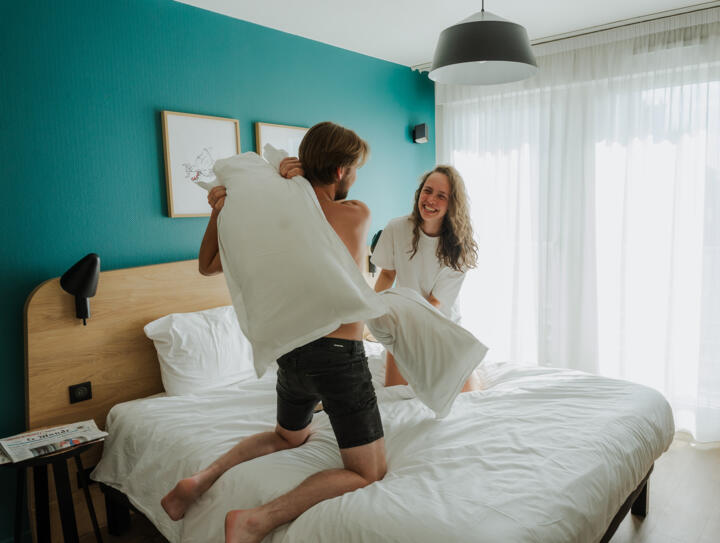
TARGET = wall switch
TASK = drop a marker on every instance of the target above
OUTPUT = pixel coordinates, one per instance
(80, 392)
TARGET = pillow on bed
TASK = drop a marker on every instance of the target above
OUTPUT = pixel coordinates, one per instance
(435, 355)
(201, 351)
(375, 353)
(291, 278)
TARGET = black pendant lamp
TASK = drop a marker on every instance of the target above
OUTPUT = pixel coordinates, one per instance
(483, 49)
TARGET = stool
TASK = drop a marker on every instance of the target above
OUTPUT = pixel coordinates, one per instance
(39, 465)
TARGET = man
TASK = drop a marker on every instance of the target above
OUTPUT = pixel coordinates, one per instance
(332, 369)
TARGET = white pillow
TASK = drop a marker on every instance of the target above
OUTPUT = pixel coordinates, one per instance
(375, 353)
(200, 351)
(291, 278)
(435, 355)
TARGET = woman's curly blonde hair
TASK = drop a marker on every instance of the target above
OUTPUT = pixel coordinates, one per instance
(456, 247)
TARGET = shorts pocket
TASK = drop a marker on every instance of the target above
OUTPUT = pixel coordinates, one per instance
(331, 369)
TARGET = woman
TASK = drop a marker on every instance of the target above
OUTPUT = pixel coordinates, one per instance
(429, 250)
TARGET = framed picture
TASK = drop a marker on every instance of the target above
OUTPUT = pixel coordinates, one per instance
(279, 136)
(192, 145)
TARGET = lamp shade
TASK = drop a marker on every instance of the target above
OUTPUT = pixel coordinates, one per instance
(81, 281)
(483, 49)
(82, 278)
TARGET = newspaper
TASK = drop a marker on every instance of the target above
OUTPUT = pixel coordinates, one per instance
(32, 444)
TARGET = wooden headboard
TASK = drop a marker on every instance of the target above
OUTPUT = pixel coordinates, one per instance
(112, 351)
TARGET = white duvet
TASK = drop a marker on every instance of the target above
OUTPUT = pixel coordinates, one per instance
(539, 455)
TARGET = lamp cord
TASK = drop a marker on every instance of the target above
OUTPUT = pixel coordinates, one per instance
(483, 5)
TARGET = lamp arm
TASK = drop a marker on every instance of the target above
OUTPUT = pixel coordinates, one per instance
(82, 308)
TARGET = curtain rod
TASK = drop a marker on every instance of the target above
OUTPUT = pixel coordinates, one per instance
(425, 66)
(628, 22)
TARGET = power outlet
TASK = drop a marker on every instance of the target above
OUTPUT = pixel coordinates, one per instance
(80, 392)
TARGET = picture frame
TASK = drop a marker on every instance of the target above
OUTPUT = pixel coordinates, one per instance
(192, 144)
(280, 136)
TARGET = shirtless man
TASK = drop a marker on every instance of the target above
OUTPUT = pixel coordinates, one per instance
(332, 369)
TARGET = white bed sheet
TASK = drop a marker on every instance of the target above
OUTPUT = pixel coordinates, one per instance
(539, 455)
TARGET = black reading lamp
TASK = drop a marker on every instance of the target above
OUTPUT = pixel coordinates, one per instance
(81, 281)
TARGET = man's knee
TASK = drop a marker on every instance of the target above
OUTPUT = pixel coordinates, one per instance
(376, 474)
(368, 461)
(294, 438)
(371, 474)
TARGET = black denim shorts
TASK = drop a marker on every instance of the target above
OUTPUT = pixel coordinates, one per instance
(334, 371)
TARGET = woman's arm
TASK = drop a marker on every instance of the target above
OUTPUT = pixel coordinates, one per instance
(209, 255)
(385, 280)
(392, 375)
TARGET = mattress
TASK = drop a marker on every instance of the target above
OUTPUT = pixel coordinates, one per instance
(538, 455)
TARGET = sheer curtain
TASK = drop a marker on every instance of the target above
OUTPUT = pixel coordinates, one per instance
(595, 191)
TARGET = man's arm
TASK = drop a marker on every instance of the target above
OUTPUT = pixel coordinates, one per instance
(209, 255)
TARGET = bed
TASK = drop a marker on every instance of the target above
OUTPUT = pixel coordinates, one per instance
(539, 454)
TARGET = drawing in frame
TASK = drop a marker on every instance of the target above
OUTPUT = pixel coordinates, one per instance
(192, 145)
(280, 136)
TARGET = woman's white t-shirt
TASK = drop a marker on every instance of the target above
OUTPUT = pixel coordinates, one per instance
(423, 272)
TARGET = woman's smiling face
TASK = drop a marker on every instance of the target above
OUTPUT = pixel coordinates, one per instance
(434, 198)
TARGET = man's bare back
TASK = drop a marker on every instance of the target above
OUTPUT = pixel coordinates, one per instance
(351, 220)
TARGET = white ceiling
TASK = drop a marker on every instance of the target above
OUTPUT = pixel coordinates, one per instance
(405, 31)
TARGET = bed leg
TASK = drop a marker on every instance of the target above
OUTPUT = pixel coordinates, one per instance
(640, 505)
(117, 510)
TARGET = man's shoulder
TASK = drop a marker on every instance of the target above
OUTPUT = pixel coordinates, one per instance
(356, 209)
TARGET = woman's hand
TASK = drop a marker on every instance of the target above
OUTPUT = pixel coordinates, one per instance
(216, 198)
(433, 300)
(290, 167)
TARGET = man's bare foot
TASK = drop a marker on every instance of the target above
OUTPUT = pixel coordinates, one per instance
(177, 501)
(242, 526)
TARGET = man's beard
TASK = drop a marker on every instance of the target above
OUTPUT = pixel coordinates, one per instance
(341, 192)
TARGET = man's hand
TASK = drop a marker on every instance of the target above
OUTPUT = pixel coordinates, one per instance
(216, 198)
(290, 167)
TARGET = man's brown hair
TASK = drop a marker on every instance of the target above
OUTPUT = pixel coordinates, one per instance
(328, 146)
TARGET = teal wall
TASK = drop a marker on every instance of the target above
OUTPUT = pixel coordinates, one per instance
(82, 84)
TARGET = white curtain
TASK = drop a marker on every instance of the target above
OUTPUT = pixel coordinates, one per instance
(595, 191)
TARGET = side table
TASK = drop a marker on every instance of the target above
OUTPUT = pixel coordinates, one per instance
(39, 465)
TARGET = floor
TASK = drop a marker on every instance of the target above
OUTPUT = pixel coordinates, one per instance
(684, 505)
